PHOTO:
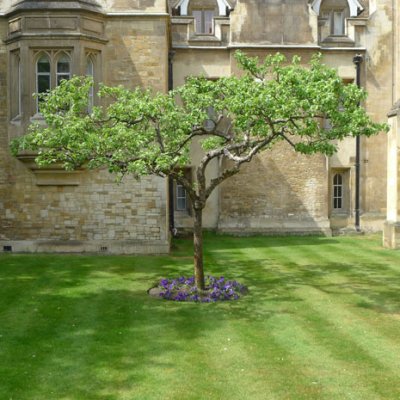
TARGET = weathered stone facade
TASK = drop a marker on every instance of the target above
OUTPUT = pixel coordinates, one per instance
(52, 210)
(270, 195)
(128, 43)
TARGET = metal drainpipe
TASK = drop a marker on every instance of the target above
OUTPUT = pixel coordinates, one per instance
(357, 60)
(170, 180)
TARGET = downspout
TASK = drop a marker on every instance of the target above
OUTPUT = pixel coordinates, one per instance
(170, 180)
(357, 60)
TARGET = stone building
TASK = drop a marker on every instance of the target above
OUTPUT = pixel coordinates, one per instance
(158, 43)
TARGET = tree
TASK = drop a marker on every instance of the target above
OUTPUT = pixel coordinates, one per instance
(235, 118)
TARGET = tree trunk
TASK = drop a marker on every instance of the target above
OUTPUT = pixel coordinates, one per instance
(198, 248)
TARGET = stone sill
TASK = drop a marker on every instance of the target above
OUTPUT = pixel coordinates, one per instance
(332, 41)
(188, 19)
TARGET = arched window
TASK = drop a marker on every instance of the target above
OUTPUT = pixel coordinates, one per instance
(63, 68)
(90, 72)
(43, 77)
(338, 191)
(43, 74)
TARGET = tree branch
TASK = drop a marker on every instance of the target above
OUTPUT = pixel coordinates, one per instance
(216, 181)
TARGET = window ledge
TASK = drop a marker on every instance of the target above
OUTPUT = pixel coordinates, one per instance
(202, 37)
(340, 213)
(339, 40)
(16, 120)
(37, 118)
(53, 175)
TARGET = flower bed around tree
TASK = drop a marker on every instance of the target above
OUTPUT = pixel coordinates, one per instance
(184, 289)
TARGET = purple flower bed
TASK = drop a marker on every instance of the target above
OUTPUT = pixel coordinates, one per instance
(216, 289)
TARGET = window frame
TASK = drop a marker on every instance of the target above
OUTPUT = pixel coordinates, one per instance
(329, 15)
(180, 195)
(203, 21)
(344, 195)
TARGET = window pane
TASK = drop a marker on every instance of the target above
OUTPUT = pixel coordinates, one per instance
(62, 67)
(335, 203)
(15, 106)
(181, 201)
(61, 77)
(208, 21)
(89, 67)
(180, 191)
(337, 179)
(197, 21)
(335, 191)
(43, 64)
(43, 83)
(338, 23)
(63, 64)
(90, 72)
(181, 204)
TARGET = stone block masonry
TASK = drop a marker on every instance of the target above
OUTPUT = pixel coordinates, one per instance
(97, 215)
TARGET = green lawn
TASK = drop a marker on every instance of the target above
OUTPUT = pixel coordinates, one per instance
(321, 321)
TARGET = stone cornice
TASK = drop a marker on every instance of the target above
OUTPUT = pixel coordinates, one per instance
(60, 36)
(269, 46)
(183, 47)
(57, 5)
(136, 14)
(273, 46)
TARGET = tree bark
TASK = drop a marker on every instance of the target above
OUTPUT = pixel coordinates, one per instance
(198, 248)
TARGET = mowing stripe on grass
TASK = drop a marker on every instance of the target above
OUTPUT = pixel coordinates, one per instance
(384, 350)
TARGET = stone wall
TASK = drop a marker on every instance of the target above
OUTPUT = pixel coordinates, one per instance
(278, 192)
(272, 22)
(137, 52)
(378, 81)
(96, 213)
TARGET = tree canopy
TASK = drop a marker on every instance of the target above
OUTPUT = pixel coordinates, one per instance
(142, 133)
